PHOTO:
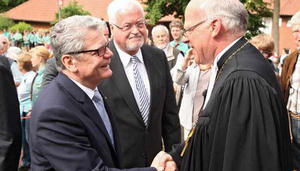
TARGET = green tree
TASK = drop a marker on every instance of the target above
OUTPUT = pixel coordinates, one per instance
(21, 26)
(6, 5)
(5, 23)
(257, 9)
(73, 8)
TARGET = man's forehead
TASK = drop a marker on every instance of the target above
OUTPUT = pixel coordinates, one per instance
(3, 39)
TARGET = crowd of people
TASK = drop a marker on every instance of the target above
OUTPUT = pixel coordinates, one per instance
(28, 39)
(104, 98)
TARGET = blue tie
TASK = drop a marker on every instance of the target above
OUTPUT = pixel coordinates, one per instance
(144, 102)
(98, 101)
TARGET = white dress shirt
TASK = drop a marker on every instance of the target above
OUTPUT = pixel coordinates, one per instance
(128, 67)
(214, 71)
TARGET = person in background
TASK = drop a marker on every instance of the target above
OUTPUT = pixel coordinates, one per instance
(161, 39)
(290, 84)
(25, 66)
(285, 53)
(32, 39)
(26, 40)
(140, 92)
(195, 78)
(265, 44)
(6, 33)
(40, 55)
(18, 39)
(176, 28)
(11, 63)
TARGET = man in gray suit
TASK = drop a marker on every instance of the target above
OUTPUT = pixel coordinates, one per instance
(140, 91)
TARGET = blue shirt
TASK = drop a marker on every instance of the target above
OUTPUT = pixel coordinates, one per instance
(180, 46)
(24, 91)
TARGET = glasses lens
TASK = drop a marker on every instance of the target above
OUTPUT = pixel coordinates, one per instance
(102, 50)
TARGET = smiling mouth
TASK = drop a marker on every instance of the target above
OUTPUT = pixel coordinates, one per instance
(105, 66)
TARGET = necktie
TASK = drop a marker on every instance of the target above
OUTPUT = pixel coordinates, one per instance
(98, 101)
(144, 102)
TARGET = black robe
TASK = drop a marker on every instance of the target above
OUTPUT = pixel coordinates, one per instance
(244, 126)
(10, 125)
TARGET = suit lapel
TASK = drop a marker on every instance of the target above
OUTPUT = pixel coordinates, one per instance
(116, 137)
(120, 80)
(86, 103)
(154, 80)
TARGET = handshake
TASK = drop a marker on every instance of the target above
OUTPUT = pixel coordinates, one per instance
(164, 162)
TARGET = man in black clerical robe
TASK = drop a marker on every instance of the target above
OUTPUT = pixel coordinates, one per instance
(243, 126)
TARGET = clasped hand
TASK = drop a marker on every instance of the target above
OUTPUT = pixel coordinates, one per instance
(164, 162)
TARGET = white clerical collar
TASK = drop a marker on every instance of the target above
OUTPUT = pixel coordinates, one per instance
(87, 90)
(220, 54)
(125, 57)
(165, 49)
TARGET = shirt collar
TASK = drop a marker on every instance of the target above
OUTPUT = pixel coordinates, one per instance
(165, 49)
(87, 90)
(125, 57)
(220, 54)
(41, 70)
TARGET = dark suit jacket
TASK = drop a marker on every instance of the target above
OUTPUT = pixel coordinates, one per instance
(10, 126)
(141, 144)
(67, 132)
(50, 71)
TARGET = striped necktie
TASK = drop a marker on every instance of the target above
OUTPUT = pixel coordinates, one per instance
(144, 102)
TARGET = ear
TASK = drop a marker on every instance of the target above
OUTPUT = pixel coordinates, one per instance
(216, 26)
(111, 27)
(69, 62)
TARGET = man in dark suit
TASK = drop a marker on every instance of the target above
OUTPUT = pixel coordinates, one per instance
(10, 126)
(140, 92)
(71, 126)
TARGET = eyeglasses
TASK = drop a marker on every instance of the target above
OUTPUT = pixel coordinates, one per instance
(129, 26)
(186, 31)
(99, 52)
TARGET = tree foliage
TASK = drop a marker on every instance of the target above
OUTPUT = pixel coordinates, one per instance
(6, 5)
(21, 26)
(73, 8)
(156, 9)
(5, 23)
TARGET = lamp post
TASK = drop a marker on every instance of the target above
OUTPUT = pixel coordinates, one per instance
(60, 2)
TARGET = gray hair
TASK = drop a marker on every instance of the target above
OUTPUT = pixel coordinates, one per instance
(158, 28)
(296, 19)
(68, 35)
(120, 6)
(233, 14)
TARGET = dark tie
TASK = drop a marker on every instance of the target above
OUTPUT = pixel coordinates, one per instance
(98, 100)
(144, 102)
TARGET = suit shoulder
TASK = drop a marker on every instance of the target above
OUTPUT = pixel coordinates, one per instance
(152, 49)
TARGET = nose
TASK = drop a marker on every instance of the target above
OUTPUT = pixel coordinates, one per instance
(185, 39)
(108, 53)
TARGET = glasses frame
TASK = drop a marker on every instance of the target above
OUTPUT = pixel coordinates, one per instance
(185, 31)
(101, 51)
(131, 25)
